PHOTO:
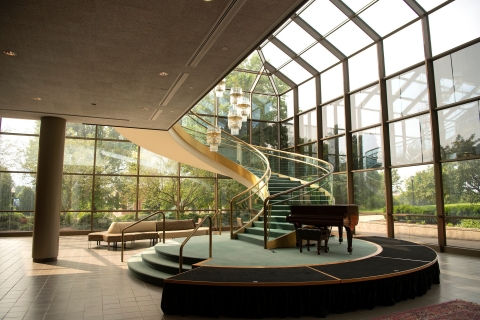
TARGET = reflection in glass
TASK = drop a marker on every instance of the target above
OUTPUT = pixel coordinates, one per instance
(319, 57)
(349, 38)
(286, 134)
(265, 134)
(387, 15)
(407, 93)
(340, 188)
(331, 83)
(12, 125)
(333, 118)
(264, 107)
(104, 132)
(78, 156)
(157, 193)
(459, 131)
(152, 164)
(308, 127)
(366, 108)
(294, 37)
(18, 153)
(335, 152)
(411, 140)
(196, 194)
(295, 72)
(77, 192)
(274, 55)
(457, 76)
(307, 95)
(115, 193)
(408, 39)
(244, 133)
(369, 190)
(286, 105)
(310, 150)
(453, 25)
(323, 16)
(115, 157)
(80, 130)
(367, 149)
(363, 68)
(461, 185)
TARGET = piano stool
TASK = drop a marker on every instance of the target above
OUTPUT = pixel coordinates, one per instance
(317, 234)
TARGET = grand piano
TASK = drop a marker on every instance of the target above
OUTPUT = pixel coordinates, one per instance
(323, 215)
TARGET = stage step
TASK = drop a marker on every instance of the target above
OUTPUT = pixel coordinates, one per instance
(144, 272)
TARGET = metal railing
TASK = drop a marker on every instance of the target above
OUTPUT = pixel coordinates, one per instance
(137, 222)
(180, 256)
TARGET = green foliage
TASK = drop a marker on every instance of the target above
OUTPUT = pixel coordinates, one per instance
(469, 223)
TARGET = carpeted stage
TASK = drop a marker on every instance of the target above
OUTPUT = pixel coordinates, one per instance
(245, 281)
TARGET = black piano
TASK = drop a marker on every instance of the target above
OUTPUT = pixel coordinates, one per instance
(323, 215)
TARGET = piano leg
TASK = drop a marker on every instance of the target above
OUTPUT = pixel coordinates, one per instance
(349, 239)
(340, 234)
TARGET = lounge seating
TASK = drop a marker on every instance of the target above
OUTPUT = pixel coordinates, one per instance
(151, 230)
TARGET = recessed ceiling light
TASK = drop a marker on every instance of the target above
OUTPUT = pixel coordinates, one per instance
(224, 48)
(37, 99)
(163, 74)
(10, 53)
(190, 87)
(145, 109)
(93, 104)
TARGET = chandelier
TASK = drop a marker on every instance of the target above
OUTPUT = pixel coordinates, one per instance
(244, 105)
(220, 88)
(235, 115)
(214, 133)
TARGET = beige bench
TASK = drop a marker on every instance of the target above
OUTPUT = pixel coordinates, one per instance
(151, 230)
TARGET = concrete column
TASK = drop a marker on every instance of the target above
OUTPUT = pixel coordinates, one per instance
(48, 195)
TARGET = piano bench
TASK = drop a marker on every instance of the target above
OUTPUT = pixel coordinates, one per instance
(316, 234)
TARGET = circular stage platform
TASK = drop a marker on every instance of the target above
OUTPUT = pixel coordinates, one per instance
(245, 281)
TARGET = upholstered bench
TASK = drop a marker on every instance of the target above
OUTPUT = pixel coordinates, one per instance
(317, 234)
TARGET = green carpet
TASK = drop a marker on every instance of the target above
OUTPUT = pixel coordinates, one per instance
(226, 252)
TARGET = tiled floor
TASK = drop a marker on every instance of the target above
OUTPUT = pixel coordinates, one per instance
(93, 284)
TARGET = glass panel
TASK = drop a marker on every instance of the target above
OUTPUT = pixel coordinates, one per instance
(253, 62)
(349, 38)
(308, 127)
(19, 126)
(264, 107)
(274, 55)
(319, 57)
(413, 190)
(190, 171)
(18, 153)
(307, 95)
(294, 37)
(78, 156)
(281, 86)
(295, 72)
(395, 46)
(309, 150)
(153, 164)
(157, 193)
(115, 193)
(457, 76)
(197, 194)
(286, 105)
(286, 134)
(101, 218)
(335, 152)
(16, 221)
(264, 85)
(459, 131)
(243, 80)
(428, 5)
(384, 16)
(77, 193)
(323, 16)
(80, 130)
(104, 132)
(116, 157)
(23, 198)
(244, 133)
(340, 188)
(72, 221)
(333, 117)
(367, 149)
(454, 24)
(356, 5)
(462, 232)
(331, 83)
(265, 134)
(411, 140)
(365, 107)
(227, 189)
(363, 68)
(407, 93)
(206, 105)
(461, 184)
(417, 228)
(369, 191)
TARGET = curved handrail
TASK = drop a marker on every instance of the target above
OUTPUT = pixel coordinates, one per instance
(137, 222)
(180, 256)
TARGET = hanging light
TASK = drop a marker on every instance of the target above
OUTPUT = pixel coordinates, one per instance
(235, 95)
(214, 137)
(220, 88)
(244, 105)
(234, 121)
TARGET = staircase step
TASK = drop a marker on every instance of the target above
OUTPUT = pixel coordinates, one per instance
(143, 272)
(274, 233)
(251, 238)
(155, 261)
(174, 257)
(275, 225)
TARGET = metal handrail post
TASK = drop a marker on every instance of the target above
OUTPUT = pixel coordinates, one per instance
(137, 222)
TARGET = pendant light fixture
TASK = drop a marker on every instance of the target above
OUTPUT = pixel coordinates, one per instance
(235, 115)
(214, 133)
